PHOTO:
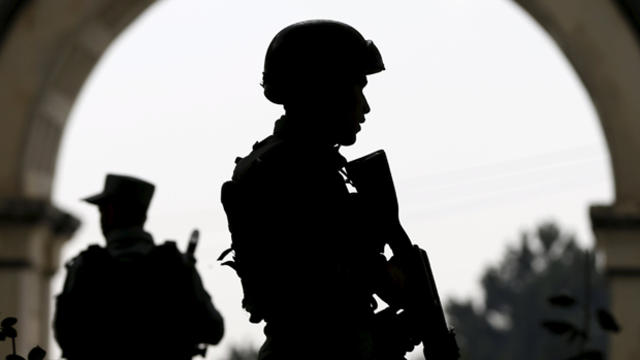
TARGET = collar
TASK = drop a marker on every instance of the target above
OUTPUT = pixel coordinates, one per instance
(127, 240)
(299, 130)
(295, 131)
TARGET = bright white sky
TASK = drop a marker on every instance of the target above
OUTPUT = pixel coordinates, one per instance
(486, 125)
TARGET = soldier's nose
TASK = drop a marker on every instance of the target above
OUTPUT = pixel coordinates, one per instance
(366, 108)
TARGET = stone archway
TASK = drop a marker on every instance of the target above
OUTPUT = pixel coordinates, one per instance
(48, 49)
(601, 40)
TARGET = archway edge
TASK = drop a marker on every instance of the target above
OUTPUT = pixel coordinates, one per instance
(42, 71)
(50, 47)
(603, 48)
(47, 52)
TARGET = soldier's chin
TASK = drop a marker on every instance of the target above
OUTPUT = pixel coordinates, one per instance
(348, 140)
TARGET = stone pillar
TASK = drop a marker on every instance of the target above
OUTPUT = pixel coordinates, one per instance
(617, 231)
(31, 235)
(47, 50)
(600, 38)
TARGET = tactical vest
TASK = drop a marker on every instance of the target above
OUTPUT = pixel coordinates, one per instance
(126, 306)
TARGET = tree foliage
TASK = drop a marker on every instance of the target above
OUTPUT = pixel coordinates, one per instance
(537, 288)
(8, 331)
(246, 352)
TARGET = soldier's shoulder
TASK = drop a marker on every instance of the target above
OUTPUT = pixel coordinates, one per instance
(168, 254)
(266, 156)
(91, 255)
(167, 248)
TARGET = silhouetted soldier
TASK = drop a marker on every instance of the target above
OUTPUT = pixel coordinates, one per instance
(305, 260)
(132, 299)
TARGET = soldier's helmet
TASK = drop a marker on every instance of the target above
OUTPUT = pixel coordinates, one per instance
(315, 53)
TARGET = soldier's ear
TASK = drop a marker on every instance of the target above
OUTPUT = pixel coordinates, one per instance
(106, 209)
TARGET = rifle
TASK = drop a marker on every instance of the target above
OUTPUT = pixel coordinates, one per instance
(192, 245)
(198, 349)
(371, 177)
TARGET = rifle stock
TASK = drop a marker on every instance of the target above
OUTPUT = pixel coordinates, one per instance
(371, 177)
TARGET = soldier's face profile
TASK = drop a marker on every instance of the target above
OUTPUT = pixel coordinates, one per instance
(348, 107)
(106, 217)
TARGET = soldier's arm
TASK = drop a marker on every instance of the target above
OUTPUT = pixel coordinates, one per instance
(210, 324)
(66, 324)
(61, 322)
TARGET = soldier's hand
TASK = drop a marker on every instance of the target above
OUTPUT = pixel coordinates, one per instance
(393, 287)
(395, 335)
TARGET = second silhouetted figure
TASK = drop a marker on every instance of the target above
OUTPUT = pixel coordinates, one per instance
(132, 299)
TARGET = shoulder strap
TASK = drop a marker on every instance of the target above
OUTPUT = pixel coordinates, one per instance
(261, 152)
(82, 266)
(167, 254)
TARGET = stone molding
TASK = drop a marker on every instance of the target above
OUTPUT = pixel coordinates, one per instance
(35, 211)
(614, 217)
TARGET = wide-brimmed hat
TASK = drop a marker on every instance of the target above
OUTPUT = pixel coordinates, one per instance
(124, 189)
